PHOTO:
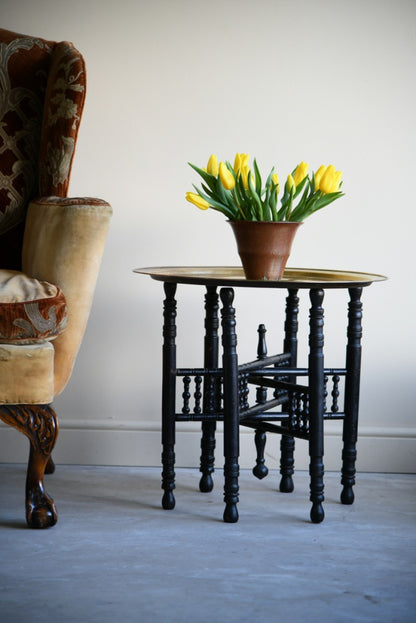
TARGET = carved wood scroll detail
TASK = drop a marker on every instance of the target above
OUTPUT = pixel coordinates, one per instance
(38, 422)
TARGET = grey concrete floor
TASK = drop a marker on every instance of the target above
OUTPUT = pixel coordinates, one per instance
(115, 555)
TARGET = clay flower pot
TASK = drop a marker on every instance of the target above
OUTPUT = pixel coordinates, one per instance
(264, 247)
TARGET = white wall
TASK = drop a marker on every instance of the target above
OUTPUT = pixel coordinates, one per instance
(170, 81)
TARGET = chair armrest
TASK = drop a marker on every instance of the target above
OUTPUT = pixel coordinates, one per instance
(63, 244)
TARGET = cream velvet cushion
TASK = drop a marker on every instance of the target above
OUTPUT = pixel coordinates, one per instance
(26, 373)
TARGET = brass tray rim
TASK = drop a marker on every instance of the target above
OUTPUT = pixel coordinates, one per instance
(299, 277)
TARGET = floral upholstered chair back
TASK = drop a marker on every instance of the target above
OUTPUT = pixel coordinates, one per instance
(42, 93)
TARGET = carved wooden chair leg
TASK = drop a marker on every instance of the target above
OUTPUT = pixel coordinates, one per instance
(50, 466)
(40, 424)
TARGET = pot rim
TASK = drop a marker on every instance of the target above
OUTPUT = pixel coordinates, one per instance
(238, 220)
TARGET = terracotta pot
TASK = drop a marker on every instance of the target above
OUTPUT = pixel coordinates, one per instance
(264, 247)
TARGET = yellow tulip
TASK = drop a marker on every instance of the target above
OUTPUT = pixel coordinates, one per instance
(226, 177)
(276, 182)
(240, 161)
(318, 176)
(330, 180)
(244, 175)
(212, 166)
(300, 172)
(241, 168)
(197, 200)
(290, 183)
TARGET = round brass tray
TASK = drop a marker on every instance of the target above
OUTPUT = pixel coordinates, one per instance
(234, 276)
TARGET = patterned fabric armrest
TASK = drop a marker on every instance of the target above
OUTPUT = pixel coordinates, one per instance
(63, 244)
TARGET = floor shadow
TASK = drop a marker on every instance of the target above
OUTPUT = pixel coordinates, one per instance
(14, 525)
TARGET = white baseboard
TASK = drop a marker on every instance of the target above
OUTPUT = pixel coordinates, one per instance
(110, 442)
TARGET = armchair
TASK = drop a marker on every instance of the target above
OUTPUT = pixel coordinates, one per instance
(50, 245)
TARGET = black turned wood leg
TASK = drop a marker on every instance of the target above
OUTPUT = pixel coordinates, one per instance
(316, 405)
(290, 345)
(206, 483)
(231, 406)
(260, 470)
(211, 389)
(40, 425)
(168, 396)
(352, 394)
(287, 463)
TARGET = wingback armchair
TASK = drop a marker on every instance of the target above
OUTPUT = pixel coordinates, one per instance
(50, 245)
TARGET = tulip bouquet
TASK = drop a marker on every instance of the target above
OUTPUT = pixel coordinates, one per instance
(238, 191)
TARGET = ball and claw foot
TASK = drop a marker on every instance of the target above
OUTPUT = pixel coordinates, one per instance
(41, 514)
(260, 471)
(230, 513)
(168, 501)
(206, 484)
(286, 484)
(317, 513)
(347, 495)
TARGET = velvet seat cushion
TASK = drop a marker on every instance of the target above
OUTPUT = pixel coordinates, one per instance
(30, 310)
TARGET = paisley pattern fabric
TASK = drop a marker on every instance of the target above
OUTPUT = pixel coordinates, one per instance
(30, 310)
(24, 65)
(42, 93)
(64, 104)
